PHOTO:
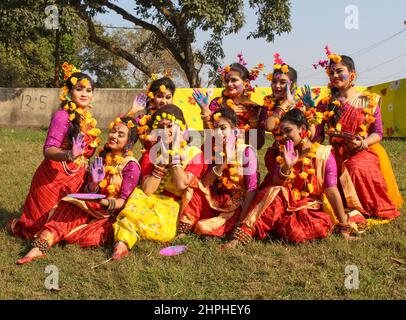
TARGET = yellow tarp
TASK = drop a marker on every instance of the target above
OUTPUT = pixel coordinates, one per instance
(393, 107)
(393, 101)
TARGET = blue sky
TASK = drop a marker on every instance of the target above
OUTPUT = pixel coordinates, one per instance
(316, 23)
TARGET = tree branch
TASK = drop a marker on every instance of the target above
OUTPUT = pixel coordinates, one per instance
(108, 46)
(184, 38)
(129, 17)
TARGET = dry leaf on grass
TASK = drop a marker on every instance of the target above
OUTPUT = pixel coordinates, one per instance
(400, 261)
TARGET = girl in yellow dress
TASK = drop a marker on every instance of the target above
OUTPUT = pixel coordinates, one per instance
(167, 169)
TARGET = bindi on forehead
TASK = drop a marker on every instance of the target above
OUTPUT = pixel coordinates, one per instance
(281, 77)
(80, 87)
(233, 75)
(121, 128)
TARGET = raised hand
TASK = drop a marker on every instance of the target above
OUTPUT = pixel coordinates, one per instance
(306, 97)
(290, 154)
(78, 145)
(201, 99)
(139, 103)
(97, 170)
(176, 137)
(160, 148)
(289, 95)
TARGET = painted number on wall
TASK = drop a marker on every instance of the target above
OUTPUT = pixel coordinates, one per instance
(31, 103)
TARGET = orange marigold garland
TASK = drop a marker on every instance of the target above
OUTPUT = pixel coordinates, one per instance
(87, 122)
(303, 177)
(111, 169)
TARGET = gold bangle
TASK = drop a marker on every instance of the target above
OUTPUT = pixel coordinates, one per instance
(216, 173)
(286, 176)
(69, 156)
(156, 176)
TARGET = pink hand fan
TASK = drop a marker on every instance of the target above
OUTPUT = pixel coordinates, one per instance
(86, 196)
(173, 250)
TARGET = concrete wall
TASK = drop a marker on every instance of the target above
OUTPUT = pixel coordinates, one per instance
(33, 107)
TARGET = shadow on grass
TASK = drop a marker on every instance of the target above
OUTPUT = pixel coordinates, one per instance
(5, 215)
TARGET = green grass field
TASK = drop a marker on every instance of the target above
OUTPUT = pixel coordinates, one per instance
(261, 270)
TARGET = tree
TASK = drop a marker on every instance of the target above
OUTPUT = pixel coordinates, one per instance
(114, 71)
(29, 54)
(174, 24)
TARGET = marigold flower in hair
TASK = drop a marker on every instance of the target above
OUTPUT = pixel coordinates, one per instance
(216, 116)
(335, 57)
(162, 88)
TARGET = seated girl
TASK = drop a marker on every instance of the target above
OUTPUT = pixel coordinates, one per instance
(290, 206)
(168, 168)
(89, 223)
(70, 143)
(226, 190)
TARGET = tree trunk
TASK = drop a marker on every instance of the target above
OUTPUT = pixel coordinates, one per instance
(57, 56)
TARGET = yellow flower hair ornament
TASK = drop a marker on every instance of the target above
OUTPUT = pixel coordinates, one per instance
(334, 57)
(216, 116)
(279, 64)
(154, 77)
(68, 70)
(117, 121)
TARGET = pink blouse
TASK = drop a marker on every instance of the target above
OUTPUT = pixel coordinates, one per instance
(330, 172)
(131, 176)
(58, 129)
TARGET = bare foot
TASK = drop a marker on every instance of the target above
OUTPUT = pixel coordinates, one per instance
(33, 254)
(120, 250)
(10, 225)
(231, 244)
(180, 236)
(349, 237)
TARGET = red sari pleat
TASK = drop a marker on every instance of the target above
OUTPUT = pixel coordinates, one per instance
(199, 210)
(363, 168)
(91, 232)
(49, 184)
(295, 227)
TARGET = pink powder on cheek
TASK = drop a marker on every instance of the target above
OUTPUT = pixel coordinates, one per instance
(240, 87)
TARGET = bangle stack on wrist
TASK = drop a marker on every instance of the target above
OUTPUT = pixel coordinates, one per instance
(111, 204)
(69, 156)
(364, 145)
(176, 160)
(158, 172)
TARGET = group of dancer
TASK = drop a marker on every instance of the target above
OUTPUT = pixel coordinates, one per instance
(314, 186)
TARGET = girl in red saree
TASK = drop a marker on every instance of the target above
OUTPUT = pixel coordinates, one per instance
(290, 205)
(160, 92)
(236, 95)
(224, 194)
(89, 222)
(71, 141)
(366, 176)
